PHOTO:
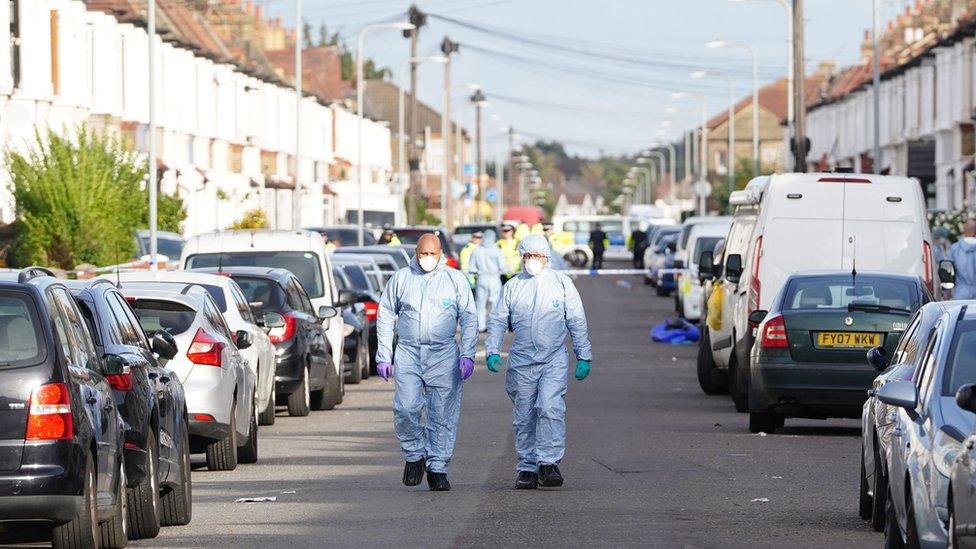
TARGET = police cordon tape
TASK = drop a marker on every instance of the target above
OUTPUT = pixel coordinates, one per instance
(586, 272)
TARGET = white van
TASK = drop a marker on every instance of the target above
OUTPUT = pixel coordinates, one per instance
(825, 221)
(681, 252)
(301, 252)
(702, 238)
(576, 229)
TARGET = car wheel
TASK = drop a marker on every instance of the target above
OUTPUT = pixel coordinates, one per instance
(355, 375)
(911, 531)
(364, 358)
(880, 499)
(299, 402)
(740, 394)
(951, 537)
(267, 416)
(763, 422)
(115, 531)
(330, 396)
(893, 539)
(865, 502)
(144, 506)
(222, 454)
(248, 453)
(706, 367)
(178, 502)
(82, 531)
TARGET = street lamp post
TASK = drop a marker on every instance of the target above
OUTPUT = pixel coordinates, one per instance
(661, 161)
(360, 88)
(755, 95)
(643, 189)
(153, 198)
(731, 122)
(703, 149)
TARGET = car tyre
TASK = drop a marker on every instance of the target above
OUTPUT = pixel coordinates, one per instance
(145, 510)
(706, 367)
(329, 396)
(764, 422)
(355, 375)
(248, 453)
(911, 531)
(178, 502)
(364, 349)
(740, 395)
(299, 402)
(267, 416)
(222, 454)
(82, 531)
(893, 538)
(865, 503)
(880, 499)
(114, 532)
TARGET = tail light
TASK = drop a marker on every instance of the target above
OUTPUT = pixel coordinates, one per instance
(372, 309)
(205, 418)
(755, 286)
(205, 349)
(927, 264)
(120, 382)
(283, 334)
(50, 413)
(773, 334)
(452, 262)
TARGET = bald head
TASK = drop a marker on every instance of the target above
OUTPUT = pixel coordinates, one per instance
(969, 228)
(429, 245)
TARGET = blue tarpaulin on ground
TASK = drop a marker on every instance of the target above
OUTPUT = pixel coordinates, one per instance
(676, 331)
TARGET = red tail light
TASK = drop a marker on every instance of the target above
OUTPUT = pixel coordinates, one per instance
(120, 382)
(205, 349)
(50, 413)
(927, 264)
(372, 309)
(773, 334)
(206, 418)
(281, 335)
(452, 262)
(755, 286)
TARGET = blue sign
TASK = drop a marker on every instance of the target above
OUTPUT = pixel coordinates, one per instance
(491, 195)
(469, 169)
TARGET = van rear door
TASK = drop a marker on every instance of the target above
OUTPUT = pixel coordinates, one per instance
(882, 229)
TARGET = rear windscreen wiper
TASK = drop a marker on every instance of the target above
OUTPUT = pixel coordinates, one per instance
(871, 307)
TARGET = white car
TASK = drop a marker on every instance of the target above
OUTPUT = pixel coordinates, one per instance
(681, 253)
(259, 357)
(301, 252)
(219, 388)
(702, 238)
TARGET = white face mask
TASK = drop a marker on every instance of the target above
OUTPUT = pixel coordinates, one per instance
(970, 239)
(534, 266)
(428, 263)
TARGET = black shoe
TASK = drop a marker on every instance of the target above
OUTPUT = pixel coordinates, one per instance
(413, 472)
(438, 482)
(527, 480)
(549, 476)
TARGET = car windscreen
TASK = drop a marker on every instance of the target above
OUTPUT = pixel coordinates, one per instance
(842, 291)
(216, 292)
(704, 244)
(357, 277)
(20, 331)
(348, 237)
(662, 234)
(264, 295)
(304, 265)
(170, 247)
(158, 314)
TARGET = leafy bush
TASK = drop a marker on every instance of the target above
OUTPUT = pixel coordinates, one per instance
(79, 199)
(252, 219)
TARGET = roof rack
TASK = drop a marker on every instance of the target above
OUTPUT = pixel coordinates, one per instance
(32, 272)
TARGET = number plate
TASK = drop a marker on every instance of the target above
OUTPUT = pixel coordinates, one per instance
(848, 340)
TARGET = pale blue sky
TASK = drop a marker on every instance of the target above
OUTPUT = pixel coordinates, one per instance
(596, 74)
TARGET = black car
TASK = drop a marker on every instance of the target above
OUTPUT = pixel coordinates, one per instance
(61, 435)
(411, 235)
(363, 283)
(303, 360)
(152, 405)
(344, 235)
(357, 328)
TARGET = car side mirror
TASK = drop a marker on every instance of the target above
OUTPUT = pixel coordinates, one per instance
(947, 274)
(966, 397)
(326, 312)
(878, 358)
(706, 271)
(114, 365)
(757, 316)
(273, 320)
(242, 338)
(733, 268)
(902, 394)
(347, 297)
(164, 345)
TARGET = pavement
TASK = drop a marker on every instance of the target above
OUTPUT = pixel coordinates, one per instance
(650, 462)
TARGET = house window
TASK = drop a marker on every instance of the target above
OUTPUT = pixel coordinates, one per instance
(235, 158)
(14, 6)
(55, 65)
(269, 163)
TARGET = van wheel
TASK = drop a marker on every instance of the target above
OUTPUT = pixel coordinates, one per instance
(248, 453)
(299, 402)
(82, 531)
(267, 416)
(329, 396)
(706, 367)
(880, 499)
(740, 394)
(178, 502)
(115, 531)
(144, 506)
(222, 455)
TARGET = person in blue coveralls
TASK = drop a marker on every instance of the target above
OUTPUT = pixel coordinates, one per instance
(541, 306)
(425, 304)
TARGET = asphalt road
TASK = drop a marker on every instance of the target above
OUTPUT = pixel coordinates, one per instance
(651, 461)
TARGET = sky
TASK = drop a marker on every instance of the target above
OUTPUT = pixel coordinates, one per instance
(597, 75)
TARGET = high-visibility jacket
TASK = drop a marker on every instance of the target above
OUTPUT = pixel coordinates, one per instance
(509, 248)
(465, 259)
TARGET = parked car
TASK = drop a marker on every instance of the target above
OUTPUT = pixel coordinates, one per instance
(304, 372)
(389, 258)
(663, 261)
(62, 464)
(152, 404)
(345, 235)
(702, 238)
(301, 252)
(357, 327)
(962, 483)
(362, 283)
(929, 431)
(878, 418)
(259, 355)
(808, 360)
(168, 244)
(370, 266)
(654, 253)
(219, 387)
(411, 235)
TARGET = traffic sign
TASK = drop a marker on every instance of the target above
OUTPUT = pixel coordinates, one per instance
(703, 188)
(491, 195)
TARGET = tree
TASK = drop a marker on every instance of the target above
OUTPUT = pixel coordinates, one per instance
(79, 199)
(252, 219)
(323, 35)
(306, 35)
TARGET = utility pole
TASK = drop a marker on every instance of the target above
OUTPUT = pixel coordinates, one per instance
(296, 198)
(418, 19)
(799, 87)
(511, 164)
(478, 98)
(153, 198)
(447, 48)
(876, 80)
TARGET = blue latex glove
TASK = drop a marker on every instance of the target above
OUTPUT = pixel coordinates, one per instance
(582, 369)
(466, 365)
(494, 363)
(385, 370)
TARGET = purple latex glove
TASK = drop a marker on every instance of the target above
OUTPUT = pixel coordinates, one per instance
(466, 365)
(385, 370)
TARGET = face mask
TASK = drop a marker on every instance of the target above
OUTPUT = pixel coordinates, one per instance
(534, 266)
(970, 239)
(428, 263)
